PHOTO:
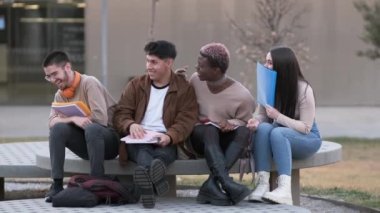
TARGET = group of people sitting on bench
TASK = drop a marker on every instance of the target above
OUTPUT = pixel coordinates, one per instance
(181, 112)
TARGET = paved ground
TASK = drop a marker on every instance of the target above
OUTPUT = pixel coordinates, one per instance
(20, 121)
(180, 205)
(31, 121)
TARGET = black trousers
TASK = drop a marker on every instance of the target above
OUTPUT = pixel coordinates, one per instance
(208, 137)
(95, 143)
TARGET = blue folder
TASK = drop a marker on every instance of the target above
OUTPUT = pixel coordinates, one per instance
(266, 85)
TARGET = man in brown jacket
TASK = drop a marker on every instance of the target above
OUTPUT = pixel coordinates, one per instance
(158, 101)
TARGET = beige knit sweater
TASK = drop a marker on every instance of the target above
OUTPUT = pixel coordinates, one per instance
(95, 95)
(234, 104)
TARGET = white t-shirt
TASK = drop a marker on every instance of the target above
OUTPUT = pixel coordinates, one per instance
(153, 116)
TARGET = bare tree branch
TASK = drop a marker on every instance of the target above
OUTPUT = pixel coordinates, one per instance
(275, 22)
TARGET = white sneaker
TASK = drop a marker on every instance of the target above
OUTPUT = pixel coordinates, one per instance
(283, 193)
(262, 186)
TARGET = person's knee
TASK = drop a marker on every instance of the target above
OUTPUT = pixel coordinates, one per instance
(277, 134)
(242, 131)
(264, 127)
(262, 132)
(93, 131)
(93, 127)
(210, 129)
(210, 134)
(60, 129)
(198, 130)
(242, 135)
(167, 156)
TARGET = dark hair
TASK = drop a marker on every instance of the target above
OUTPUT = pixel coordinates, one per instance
(162, 49)
(288, 75)
(56, 58)
(217, 55)
(215, 63)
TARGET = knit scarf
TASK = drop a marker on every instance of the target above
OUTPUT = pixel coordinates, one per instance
(69, 92)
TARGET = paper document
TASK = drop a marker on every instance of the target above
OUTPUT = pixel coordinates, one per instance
(149, 138)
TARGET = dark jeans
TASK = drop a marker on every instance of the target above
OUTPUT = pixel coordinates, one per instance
(144, 154)
(210, 137)
(95, 143)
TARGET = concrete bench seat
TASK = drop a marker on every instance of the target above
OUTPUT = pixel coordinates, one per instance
(328, 153)
(18, 160)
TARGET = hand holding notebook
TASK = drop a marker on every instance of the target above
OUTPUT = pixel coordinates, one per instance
(150, 137)
(266, 85)
(69, 109)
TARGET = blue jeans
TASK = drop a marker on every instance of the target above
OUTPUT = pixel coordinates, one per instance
(144, 154)
(282, 144)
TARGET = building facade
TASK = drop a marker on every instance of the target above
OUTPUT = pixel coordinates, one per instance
(332, 31)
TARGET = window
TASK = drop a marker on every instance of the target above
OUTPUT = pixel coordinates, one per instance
(29, 30)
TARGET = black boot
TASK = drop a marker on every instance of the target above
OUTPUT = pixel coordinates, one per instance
(216, 162)
(142, 179)
(211, 193)
(235, 150)
(55, 188)
(236, 147)
(157, 173)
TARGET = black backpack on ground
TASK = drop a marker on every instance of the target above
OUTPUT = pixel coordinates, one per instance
(105, 190)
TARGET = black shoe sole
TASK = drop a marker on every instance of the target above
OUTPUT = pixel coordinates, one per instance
(203, 198)
(142, 179)
(157, 175)
(241, 196)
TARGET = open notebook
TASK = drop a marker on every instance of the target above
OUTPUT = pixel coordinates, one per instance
(76, 108)
(150, 137)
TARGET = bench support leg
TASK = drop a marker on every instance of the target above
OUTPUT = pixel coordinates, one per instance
(273, 181)
(295, 184)
(172, 179)
(2, 189)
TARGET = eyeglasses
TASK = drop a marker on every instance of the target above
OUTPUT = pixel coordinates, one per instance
(54, 74)
(50, 76)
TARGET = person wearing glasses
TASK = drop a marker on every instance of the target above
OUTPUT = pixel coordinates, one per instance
(91, 138)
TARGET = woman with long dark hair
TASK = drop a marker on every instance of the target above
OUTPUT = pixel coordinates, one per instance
(286, 131)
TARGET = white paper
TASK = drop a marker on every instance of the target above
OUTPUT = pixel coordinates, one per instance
(150, 137)
(216, 125)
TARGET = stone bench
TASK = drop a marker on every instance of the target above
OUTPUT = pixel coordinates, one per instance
(329, 153)
(18, 160)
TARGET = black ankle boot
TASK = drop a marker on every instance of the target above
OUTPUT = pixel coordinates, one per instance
(211, 193)
(237, 192)
(217, 164)
(55, 188)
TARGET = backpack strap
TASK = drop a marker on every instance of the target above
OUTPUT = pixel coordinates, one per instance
(78, 180)
(110, 185)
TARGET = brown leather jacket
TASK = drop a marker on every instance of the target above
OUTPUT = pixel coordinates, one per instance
(179, 115)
